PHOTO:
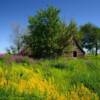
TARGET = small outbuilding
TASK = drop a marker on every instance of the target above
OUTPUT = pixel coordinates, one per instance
(74, 49)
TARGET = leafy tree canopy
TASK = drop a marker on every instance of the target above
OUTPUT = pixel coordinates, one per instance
(47, 35)
(91, 37)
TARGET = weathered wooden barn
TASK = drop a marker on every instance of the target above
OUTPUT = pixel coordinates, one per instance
(74, 49)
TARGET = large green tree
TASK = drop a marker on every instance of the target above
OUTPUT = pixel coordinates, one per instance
(47, 34)
(91, 37)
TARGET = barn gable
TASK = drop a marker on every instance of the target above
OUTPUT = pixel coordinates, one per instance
(74, 49)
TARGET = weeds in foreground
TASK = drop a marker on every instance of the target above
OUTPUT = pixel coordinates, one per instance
(58, 79)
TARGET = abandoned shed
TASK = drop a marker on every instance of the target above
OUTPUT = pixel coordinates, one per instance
(74, 49)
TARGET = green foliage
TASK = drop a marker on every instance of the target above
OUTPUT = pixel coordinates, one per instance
(72, 29)
(47, 34)
(91, 37)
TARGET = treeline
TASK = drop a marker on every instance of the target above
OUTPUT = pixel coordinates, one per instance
(48, 35)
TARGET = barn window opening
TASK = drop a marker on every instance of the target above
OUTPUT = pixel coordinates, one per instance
(74, 54)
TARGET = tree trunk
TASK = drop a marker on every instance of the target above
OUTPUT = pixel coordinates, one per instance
(96, 51)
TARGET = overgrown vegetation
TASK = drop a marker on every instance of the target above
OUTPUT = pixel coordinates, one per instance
(54, 78)
(48, 36)
(57, 79)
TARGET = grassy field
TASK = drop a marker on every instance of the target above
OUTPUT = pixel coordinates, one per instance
(57, 79)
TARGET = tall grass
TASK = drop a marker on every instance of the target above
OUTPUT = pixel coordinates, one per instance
(56, 79)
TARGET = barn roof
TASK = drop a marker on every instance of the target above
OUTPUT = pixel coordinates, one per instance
(78, 45)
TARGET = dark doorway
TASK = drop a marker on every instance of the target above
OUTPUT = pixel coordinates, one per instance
(74, 54)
